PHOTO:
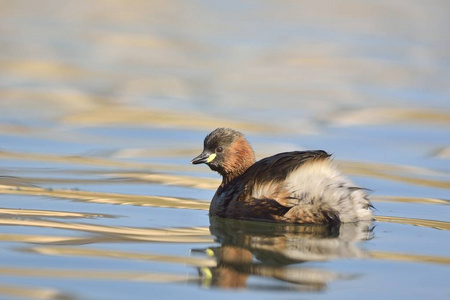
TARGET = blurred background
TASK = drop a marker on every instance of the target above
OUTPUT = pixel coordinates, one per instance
(106, 102)
(263, 67)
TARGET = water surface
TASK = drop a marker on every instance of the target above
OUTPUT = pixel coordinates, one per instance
(103, 105)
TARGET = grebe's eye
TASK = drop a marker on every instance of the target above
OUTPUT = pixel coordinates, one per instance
(219, 149)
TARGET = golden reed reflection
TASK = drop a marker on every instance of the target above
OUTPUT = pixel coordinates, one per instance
(49, 213)
(386, 115)
(107, 233)
(246, 249)
(105, 253)
(174, 202)
(405, 174)
(416, 222)
(97, 275)
(104, 238)
(109, 198)
(410, 257)
(117, 115)
(12, 185)
(27, 292)
(229, 266)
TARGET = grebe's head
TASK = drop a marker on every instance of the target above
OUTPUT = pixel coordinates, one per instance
(226, 151)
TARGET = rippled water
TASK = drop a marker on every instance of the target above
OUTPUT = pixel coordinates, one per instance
(103, 104)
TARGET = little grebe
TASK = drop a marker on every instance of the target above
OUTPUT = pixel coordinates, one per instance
(293, 187)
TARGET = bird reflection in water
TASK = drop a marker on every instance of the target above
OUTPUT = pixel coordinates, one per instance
(267, 250)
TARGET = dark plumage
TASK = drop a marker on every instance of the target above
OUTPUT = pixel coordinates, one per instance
(294, 187)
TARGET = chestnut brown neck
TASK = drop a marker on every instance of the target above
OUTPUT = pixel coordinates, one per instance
(237, 159)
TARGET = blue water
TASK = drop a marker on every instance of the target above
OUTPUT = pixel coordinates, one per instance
(103, 105)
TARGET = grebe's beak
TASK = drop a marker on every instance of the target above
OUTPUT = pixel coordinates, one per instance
(203, 158)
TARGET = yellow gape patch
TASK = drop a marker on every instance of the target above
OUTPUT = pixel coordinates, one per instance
(211, 158)
(209, 252)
